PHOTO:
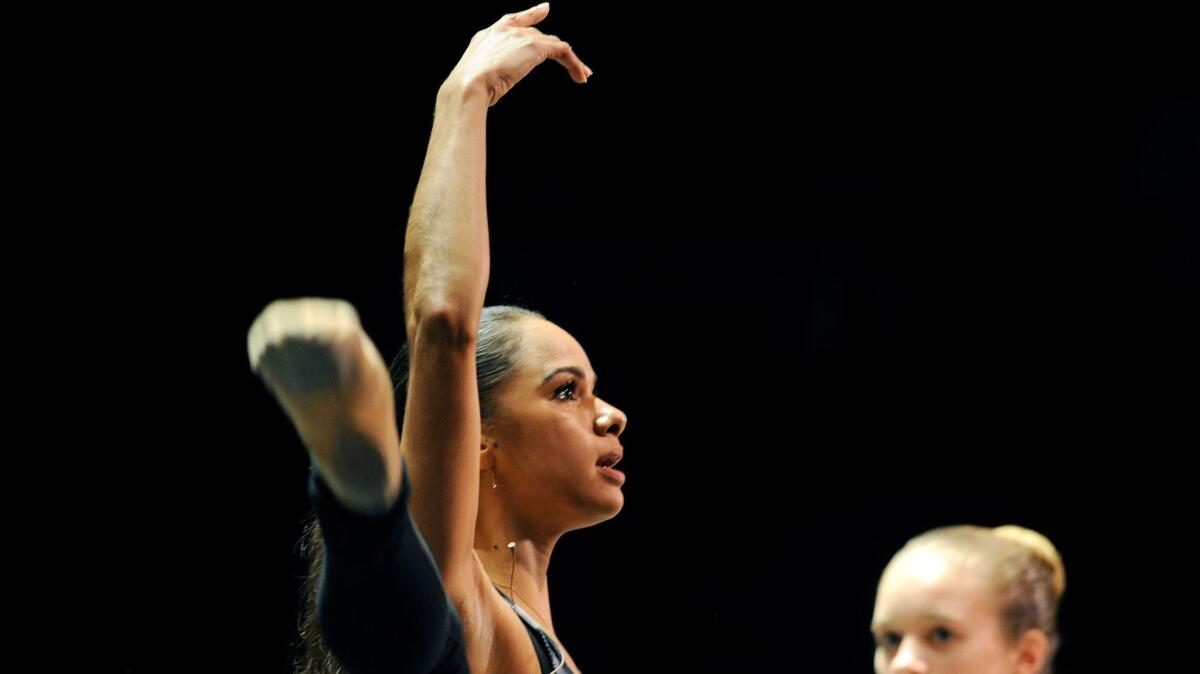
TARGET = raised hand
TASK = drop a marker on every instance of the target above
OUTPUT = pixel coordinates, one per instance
(502, 54)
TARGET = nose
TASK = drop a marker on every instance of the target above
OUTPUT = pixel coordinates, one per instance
(609, 419)
(908, 659)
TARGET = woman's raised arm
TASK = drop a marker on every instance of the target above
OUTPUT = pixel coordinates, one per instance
(446, 265)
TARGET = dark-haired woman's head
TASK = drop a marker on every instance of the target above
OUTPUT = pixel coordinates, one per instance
(549, 442)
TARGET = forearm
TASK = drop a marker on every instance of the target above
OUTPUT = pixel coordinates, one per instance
(446, 258)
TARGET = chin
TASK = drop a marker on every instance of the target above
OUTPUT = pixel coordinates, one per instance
(604, 510)
(617, 504)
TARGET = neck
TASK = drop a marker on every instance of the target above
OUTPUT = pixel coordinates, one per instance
(520, 572)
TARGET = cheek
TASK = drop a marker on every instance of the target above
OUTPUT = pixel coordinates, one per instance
(565, 426)
(553, 441)
(986, 654)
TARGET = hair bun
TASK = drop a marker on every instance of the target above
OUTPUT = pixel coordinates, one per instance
(1040, 546)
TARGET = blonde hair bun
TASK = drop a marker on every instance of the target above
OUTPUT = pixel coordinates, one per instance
(1041, 547)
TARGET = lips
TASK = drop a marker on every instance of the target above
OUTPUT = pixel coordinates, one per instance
(616, 476)
(610, 459)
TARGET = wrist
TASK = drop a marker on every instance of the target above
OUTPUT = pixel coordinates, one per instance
(462, 91)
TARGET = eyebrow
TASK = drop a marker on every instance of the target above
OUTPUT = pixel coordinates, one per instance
(568, 368)
(930, 616)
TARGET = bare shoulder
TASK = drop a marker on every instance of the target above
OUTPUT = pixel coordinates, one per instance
(495, 637)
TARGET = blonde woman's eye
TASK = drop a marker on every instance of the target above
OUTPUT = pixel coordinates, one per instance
(889, 640)
(941, 635)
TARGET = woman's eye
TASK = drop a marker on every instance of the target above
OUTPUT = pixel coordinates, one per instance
(566, 391)
(940, 635)
(889, 640)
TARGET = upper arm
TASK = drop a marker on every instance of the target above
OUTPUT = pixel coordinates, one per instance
(440, 441)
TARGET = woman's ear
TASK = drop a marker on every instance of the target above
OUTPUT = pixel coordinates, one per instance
(487, 460)
(1032, 649)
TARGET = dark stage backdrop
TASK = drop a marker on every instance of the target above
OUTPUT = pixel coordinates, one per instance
(851, 275)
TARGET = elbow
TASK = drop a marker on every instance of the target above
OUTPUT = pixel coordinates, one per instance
(445, 323)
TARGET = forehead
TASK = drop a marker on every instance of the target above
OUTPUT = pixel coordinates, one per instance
(924, 582)
(545, 346)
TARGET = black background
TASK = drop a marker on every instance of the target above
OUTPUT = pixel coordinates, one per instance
(852, 275)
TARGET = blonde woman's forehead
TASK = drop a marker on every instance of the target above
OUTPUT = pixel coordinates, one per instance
(922, 565)
(923, 582)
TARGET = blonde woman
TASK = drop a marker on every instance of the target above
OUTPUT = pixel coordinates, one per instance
(969, 600)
